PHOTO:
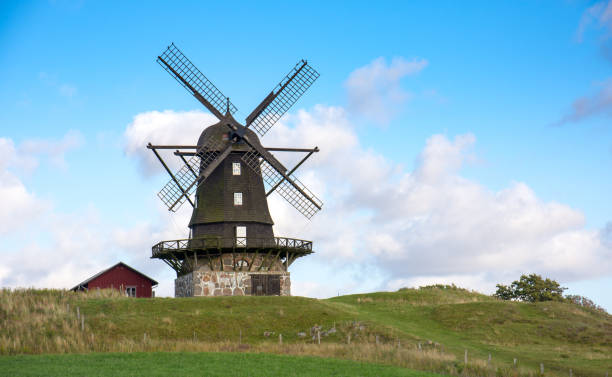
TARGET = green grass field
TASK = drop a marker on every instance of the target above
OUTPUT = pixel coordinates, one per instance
(385, 327)
(191, 364)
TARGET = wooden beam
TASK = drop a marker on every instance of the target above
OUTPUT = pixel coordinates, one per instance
(265, 260)
(210, 264)
(274, 259)
(254, 259)
(315, 149)
(172, 176)
(150, 146)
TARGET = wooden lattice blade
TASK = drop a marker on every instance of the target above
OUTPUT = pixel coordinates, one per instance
(192, 174)
(290, 188)
(286, 93)
(188, 75)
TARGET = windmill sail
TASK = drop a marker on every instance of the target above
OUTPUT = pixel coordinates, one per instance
(188, 75)
(291, 189)
(174, 195)
(286, 93)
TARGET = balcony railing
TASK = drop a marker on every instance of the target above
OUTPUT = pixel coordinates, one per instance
(240, 243)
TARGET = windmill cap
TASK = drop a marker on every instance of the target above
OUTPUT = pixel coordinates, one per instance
(220, 132)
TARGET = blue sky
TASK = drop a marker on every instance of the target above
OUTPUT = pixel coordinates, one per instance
(76, 75)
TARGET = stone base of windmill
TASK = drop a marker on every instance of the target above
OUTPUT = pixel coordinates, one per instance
(230, 283)
(245, 277)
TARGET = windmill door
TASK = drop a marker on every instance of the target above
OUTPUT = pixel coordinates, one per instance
(265, 285)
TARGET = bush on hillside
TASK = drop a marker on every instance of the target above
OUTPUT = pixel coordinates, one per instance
(584, 302)
(531, 288)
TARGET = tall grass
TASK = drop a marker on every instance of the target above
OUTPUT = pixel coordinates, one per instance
(46, 321)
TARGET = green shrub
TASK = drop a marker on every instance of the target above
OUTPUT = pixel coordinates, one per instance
(531, 288)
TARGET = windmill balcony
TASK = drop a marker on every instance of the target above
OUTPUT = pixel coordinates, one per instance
(221, 245)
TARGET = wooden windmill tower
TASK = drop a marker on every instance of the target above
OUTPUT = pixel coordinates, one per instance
(226, 177)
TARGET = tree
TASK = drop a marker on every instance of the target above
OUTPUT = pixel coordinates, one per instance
(531, 288)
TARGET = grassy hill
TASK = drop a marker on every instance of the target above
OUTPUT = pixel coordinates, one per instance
(425, 329)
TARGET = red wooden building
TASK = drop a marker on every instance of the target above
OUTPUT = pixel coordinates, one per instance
(121, 277)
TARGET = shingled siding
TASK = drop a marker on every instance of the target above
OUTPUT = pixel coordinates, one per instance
(228, 230)
(215, 196)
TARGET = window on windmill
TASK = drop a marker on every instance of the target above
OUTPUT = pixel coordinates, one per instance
(236, 168)
(240, 264)
(237, 198)
(241, 236)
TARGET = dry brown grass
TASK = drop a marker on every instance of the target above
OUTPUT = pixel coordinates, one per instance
(44, 321)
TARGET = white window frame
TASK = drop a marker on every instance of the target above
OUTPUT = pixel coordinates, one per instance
(236, 168)
(130, 288)
(241, 235)
(237, 198)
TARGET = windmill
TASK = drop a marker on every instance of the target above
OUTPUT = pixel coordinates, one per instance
(226, 177)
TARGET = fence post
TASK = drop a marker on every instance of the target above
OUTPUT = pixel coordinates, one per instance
(419, 346)
(541, 368)
(78, 313)
(489, 361)
(515, 362)
(319, 336)
(570, 372)
(465, 357)
(83, 322)
(280, 339)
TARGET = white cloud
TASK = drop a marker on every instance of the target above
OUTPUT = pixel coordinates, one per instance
(374, 90)
(599, 103)
(43, 247)
(381, 226)
(70, 247)
(163, 128)
(606, 235)
(67, 90)
(429, 224)
(599, 15)
(32, 150)
(19, 205)
(64, 89)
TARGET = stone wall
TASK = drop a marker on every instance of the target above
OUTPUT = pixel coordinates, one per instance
(219, 283)
(230, 275)
(223, 283)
